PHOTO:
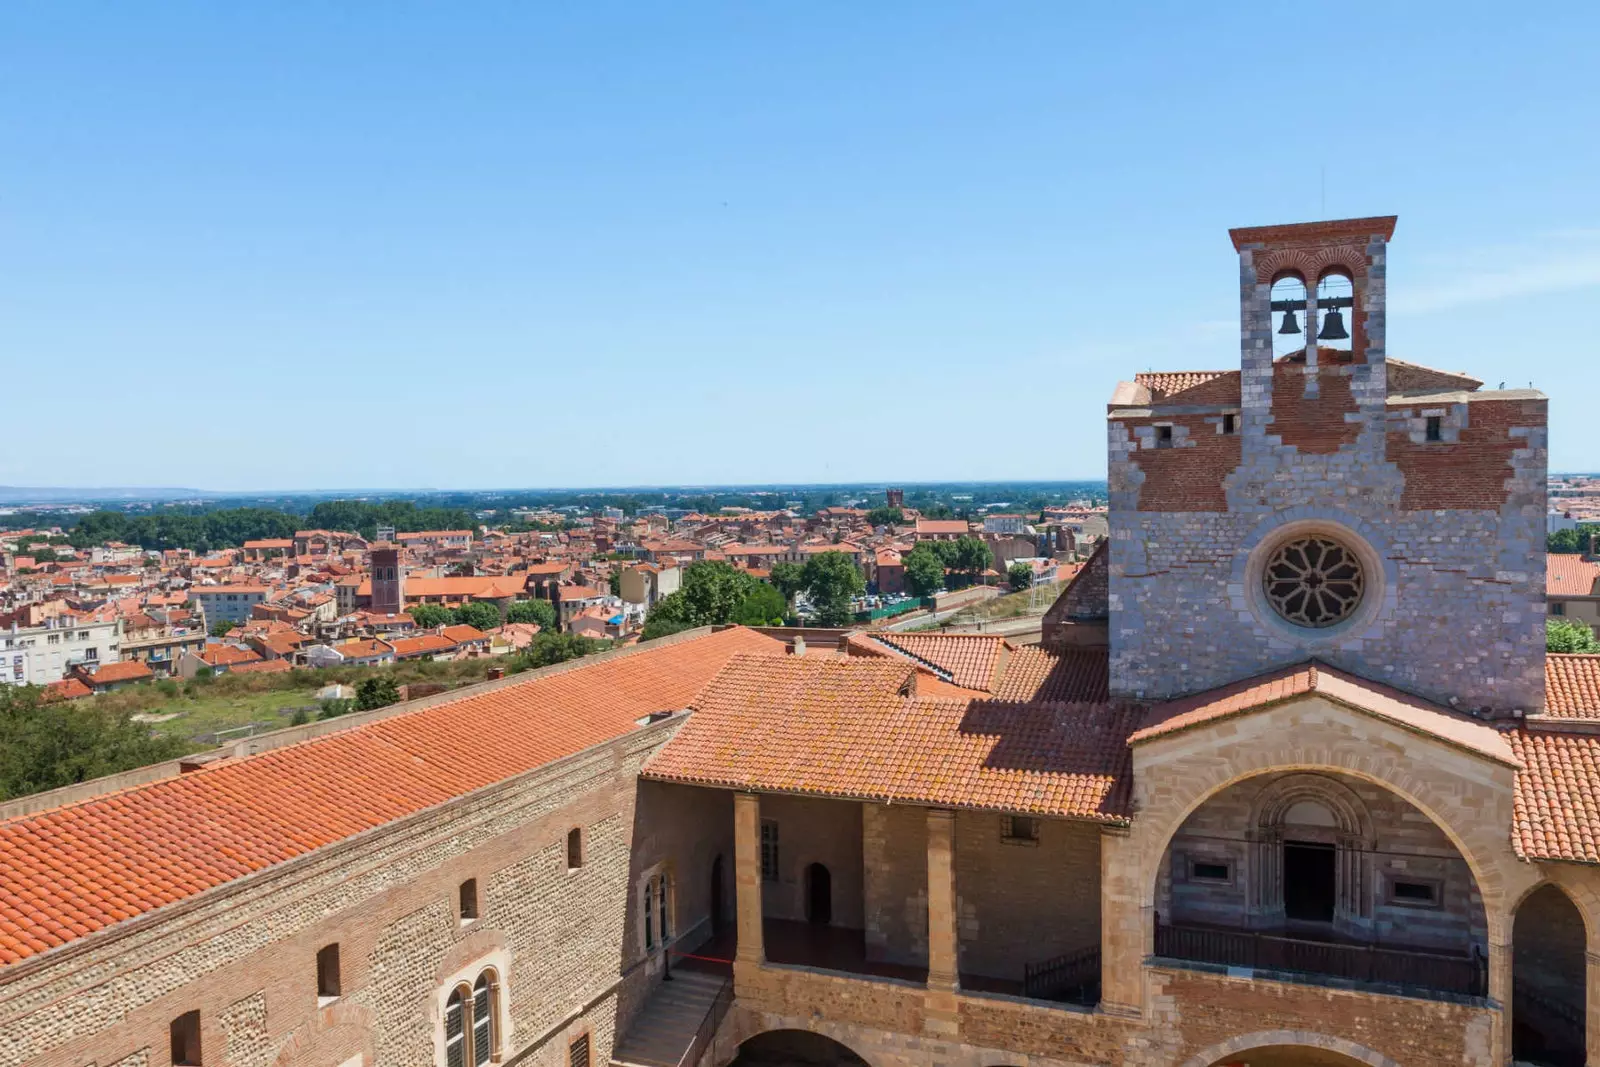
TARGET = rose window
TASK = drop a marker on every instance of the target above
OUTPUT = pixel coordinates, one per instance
(1314, 581)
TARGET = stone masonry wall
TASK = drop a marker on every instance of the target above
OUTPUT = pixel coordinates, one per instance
(244, 955)
(1024, 902)
(1461, 612)
(895, 887)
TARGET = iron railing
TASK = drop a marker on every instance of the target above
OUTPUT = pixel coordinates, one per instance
(1466, 974)
(1074, 977)
(708, 1026)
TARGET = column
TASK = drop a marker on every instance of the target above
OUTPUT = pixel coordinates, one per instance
(1125, 925)
(1591, 999)
(1499, 966)
(942, 935)
(747, 876)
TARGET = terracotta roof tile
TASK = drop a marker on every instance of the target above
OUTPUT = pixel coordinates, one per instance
(1566, 574)
(969, 659)
(1384, 702)
(1556, 808)
(1074, 675)
(1572, 685)
(842, 727)
(168, 840)
(1165, 383)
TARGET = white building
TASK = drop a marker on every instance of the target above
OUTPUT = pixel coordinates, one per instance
(40, 655)
(227, 603)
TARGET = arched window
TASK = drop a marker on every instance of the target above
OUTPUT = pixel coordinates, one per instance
(656, 911)
(469, 1023)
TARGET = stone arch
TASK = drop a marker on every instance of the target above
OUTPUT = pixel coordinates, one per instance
(814, 1043)
(1583, 898)
(1304, 1038)
(335, 1034)
(1549, 977)
(1384, 770)
(1352, 835)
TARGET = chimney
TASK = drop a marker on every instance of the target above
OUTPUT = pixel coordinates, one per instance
(798, 648)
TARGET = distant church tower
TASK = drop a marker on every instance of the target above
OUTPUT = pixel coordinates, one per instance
(1325, 501)
(388, 579)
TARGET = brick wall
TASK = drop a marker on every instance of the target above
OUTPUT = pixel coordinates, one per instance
(1024, 902)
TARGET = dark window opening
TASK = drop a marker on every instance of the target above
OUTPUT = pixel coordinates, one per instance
(1163, 436)
(328, 970)
(469, 899)
(574, 849)
(1209, 872)
(1228, 423)
(1413, 892)
(185, 1032)
(1308, 881)
(578, 1052)
(819, 894)
(1435, 428)
(1558, 608)
(1019, 828)
(769, 850)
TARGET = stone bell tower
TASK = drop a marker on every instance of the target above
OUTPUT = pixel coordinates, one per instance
(1325, 501)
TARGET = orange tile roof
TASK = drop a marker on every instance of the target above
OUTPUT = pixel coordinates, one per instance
(266, 666)
(1556, 807)
(127, 670)
(841, 727)
(943, 526)
(1402, 709)
(421, 645)
(1566, 574)
(1165, 383)
(969, 659)
(1075, 674)
(363, 649)
(464, 634)
(228, 655)
(77, 869)
(1572, 685)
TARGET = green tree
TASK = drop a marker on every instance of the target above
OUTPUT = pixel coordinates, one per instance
(671, 614)
(713, 589)
(221, 628)
(615, 583)
(46, 745)
(788, 579)
(377, 692)
(924, 570)
(1020, 575)
(1564, 541)
(333, 708)
(483, 616)
(1565, 635)
(540, 612)
(885, 517)
(549, 648)
(972, 555)
(427, 616)
(832, 581)
(764, 606)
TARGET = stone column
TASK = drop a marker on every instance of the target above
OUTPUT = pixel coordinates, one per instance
(1125, 925)
(747, 876)
(1499, 965)
(941, 1011)
(1591, 1012)
(943, 942)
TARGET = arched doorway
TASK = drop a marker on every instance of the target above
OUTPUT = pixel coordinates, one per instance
(718, 904)
(819, 895)
(1289, 1056)
(788, 1048)
(1548, 974)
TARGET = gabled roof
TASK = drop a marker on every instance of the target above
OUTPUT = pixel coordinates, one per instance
(847, 727)
(1163, 384)
(1307, 679)
(968, 660)
(1568, 574)
(1073, 675)
(73, 870)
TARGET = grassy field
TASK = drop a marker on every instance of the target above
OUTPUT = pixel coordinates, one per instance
(210, 712)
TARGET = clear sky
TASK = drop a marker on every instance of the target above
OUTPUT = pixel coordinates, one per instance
(461, 245)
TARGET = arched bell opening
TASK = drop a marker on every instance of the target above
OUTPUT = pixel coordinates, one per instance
(1336, 310)
(1288, 313)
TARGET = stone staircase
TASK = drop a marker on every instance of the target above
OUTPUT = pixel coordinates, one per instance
(664, 1031)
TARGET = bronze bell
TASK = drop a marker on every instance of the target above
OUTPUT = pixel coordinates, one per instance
(1290, 323)
(1333, 327)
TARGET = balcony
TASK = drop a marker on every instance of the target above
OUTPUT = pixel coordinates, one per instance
(1420, 970)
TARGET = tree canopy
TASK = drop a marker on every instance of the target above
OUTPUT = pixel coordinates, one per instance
(540, 612)
(1565, 635)
(832, 580)
(1020, 576)
(788, 579)
(1571, 541)
(49, 745)
(885, 517)
(478, 614)
(714, 593)
(924, 570)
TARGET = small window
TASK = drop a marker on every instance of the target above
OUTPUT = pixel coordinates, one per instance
(1435, 428)
(1559, 607)
(574, 849)
(328, 971)
(1413, 892)
(1023, 828)
(1209, 871)
(185, 1032)
(469, 900)
(1163, 436)
(769, 850)
(1228, 423)
(578, 1052)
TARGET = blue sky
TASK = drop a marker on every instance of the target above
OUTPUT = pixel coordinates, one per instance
(465, 245)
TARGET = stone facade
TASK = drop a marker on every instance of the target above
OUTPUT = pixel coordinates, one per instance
(1454, 526)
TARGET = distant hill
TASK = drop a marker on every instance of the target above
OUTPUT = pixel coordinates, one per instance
(48, 494)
